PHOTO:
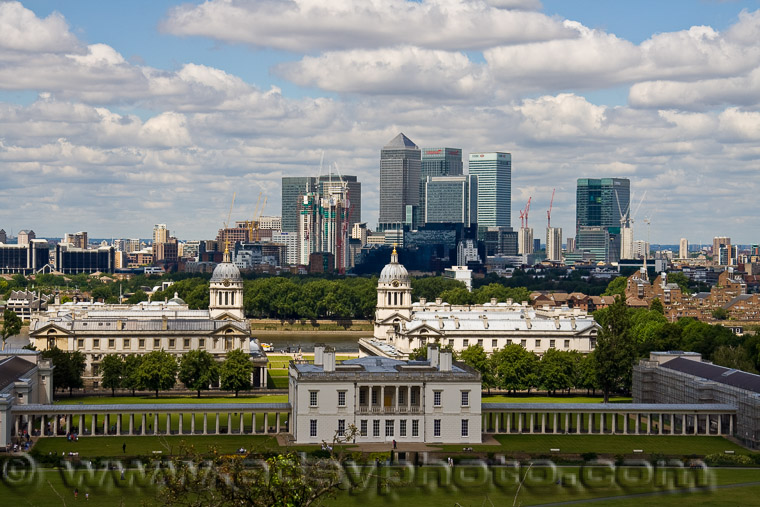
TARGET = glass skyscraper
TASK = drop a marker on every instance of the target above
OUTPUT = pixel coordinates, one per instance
(600, 203)
(451, 199)
(437, 162)
(400, 166)
(494, 173)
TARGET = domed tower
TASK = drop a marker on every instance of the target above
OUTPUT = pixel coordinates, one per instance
(226, 291)
(394, 298)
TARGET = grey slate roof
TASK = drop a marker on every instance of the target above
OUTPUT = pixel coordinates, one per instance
(12, 369)
(720, 374)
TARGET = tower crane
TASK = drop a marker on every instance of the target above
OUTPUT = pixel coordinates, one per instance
(549, 212)
(227, 226)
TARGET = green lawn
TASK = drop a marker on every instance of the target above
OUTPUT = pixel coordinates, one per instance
(606, 444)
(128, 400)
(51, 488)
(502, 398)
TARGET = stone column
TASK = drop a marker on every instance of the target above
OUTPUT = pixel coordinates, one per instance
(543, 422)
(567, 422)
(520, 416)
(94, 423)
(81, 424)
(266, 423)
(143, 424)
(54, 425)
(382, 404)
(614, 422)
(602, 423)
(42, 425)
(638, 424)
(684, 423)
(192, 423)
(672, 424)
(168, 424)
(720, 424)
(532, 415)
(508, 417)
(554, 425)
(579, 418)
(118, 424)
(660, 420)
(696, 424)
(649, 424)
(205, 423)
(217, 424)
(155, 423)
(229, 423)
(242, 425)
(395, 399)
(277, 420)
(131, 424)
(731, 425)
(181, 423)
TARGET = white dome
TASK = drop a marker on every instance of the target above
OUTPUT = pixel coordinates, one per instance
(394, 271)
(226, 271)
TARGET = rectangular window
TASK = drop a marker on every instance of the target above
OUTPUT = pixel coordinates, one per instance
(401, 397)
(156, 343)
(415, 428)
(313, 398)
(187, 343)
(313, 428)
(402, 428)
(341, 427)
(376, 428)
(551, 344)
(341, 398)
(374, 396)
(389, 428)
(201, 342)
(141, 343)
(436, 398)
(523, 343)
(465, 343)
(436, 427)
(567, 344)
(465, 427)
(80, 343)
(362, 397)
(480, 342)
(465, 398)
(413, 397)
(126, 343)
(363, 427)
(95, 343)
(172, 341)
(494, 343)
(111, 343)
(538, 343)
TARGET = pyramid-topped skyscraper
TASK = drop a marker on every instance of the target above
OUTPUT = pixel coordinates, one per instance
(400, 164)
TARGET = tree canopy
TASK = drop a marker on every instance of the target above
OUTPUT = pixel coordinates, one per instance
(198, 370)
(235, 372)
(157, 371)
(69, 367)
(11, 325)
(112, 372)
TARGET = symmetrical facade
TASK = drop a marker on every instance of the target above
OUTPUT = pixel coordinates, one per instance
(431, 401)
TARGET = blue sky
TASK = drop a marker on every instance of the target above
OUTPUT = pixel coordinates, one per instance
(118, 115)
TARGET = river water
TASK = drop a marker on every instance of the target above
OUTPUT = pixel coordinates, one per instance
(293, 340)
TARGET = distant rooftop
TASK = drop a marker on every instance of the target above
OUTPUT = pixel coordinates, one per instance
(400, 141)
(715, 373)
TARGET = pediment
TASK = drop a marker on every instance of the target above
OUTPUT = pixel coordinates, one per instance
(50, 329)
(394, 316)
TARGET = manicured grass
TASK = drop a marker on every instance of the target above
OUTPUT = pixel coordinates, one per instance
(606, 444)
(147, 400)
(89, 447)
(503, 398)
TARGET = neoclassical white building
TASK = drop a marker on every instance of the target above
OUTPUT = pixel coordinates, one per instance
(401, 326)
(96, 329)
(430, 401)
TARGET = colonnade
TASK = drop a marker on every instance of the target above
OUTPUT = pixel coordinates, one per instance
(618, 421)
(133, 420)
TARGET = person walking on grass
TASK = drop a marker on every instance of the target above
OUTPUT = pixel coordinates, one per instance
(124, 448)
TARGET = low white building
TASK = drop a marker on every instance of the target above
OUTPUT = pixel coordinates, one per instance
(431, 401)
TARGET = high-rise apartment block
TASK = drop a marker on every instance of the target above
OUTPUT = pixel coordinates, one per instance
(437, 162)
(451, 199)
(525, 240)
(400, 169)
(554, 244)
(600, 204)
(77, 240)
(293, 187)
(718, 242)
(494, 173)
(160, 234)
(683, 249)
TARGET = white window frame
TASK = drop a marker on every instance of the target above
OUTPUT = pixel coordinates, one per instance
(341, 427)
(363, 428)
(465, 398)
(341, 398)
(389, 427)
(312, 427)
(402, 428)
(376, 427)
(465, 427)
(436, 427)
(313, 399)
(437, 398)
(415, 427)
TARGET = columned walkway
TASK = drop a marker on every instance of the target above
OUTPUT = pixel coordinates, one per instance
(609, 418)
(151, 419)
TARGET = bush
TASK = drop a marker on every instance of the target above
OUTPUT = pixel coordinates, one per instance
(728, 459)
(589, 456)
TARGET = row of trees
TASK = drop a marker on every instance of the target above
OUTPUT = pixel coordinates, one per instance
(155, 371)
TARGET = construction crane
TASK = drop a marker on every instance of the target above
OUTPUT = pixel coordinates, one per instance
(254, 224)
(524, 215)
(549, 212)
(227, 226)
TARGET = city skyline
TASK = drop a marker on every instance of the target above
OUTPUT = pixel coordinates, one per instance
(116, 117)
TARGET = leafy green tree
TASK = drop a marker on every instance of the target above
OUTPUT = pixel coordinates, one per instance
(515, 368)
(432, 287)
(11, 325)
(418, 354)
(197, 370)
(458, 296)
(158, 371)
(138, 297)
(720, 314)
(614, 352)
(476, 357)
(656, 306)
(556, 371)
(131, 378)
(112, 372)
(69, 367)
(585, 372)
(734, 356)
(681, 279)
(616, 287)
(235, 372)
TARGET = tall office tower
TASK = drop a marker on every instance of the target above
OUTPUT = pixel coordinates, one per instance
(718, 242)
(602, 203)
(400, 166)
(451, 199)
(332, 181)
(160, 234)
(683, 249)
(570, 245)
(437, 162)
(536, 244)
(494, 172)
(525, 241)
(293, 187)
(333, 233)
(554, 244)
